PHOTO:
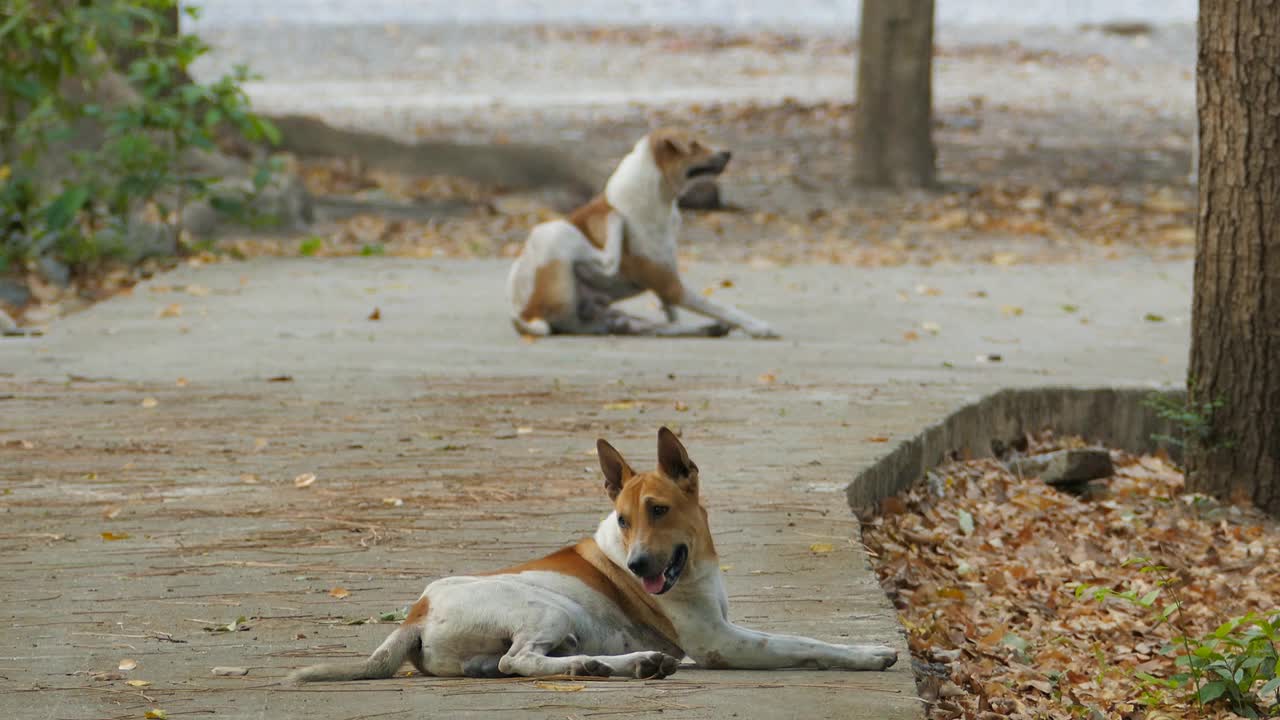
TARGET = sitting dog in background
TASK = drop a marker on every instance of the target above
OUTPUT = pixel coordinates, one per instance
(622, 243)
(631, 601)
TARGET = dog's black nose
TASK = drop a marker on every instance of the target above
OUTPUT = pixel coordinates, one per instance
(642, 566)
(725, 156)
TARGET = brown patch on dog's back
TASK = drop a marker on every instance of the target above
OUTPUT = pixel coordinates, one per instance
(585, 561)
(418, 612)
(593, 220)
(549, 297)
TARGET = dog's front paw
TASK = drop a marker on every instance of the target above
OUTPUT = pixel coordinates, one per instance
(761, 331)
(869, 657)
(715, 329)
(655, 666)
(590, 667)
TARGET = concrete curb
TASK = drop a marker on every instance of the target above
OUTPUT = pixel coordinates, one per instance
(1117, 416)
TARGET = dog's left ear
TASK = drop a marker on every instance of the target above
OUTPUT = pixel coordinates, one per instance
(676, 146)
(674, 462)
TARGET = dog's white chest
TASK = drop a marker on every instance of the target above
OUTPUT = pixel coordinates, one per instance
(652, 239)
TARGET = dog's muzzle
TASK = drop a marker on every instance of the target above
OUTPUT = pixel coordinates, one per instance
(712, 166)
(658, 580)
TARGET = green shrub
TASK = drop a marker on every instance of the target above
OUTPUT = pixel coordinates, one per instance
(77, 168)
(1236, 666)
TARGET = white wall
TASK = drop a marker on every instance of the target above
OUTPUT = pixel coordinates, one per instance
(813, 14)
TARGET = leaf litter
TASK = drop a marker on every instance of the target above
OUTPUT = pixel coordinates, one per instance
(982, 565)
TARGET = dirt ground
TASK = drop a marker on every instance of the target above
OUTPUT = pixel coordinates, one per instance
(147, 534)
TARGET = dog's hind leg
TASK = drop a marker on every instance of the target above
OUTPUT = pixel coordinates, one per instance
(483, 666)
(531, 660)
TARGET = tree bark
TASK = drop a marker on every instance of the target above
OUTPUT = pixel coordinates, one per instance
(892, 126)
(1235, 326)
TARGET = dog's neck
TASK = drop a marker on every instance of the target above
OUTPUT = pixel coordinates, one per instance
(639, 191)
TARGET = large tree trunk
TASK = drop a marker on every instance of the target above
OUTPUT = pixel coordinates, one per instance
(1235, 335)
(892, 138)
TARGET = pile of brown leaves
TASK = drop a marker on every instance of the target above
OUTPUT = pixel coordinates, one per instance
(982, 566)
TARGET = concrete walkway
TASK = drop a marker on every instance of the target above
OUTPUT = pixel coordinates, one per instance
(148, 464)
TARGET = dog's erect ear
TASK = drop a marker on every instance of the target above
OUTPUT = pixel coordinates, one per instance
(676, 146)
(616, 470)
(674, 462)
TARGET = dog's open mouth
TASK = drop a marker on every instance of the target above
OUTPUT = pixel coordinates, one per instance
(666, 580)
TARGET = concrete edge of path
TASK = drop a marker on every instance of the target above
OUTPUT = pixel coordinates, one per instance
(1120, 417)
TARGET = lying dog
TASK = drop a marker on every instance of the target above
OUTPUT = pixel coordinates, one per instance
(631, 601)
(621, 244)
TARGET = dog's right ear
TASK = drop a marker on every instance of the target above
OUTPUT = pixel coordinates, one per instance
(616, 470)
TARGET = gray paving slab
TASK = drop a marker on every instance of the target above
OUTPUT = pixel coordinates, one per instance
(153, 417)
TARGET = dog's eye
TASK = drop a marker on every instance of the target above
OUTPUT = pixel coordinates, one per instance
(622, 522)
(658, 510)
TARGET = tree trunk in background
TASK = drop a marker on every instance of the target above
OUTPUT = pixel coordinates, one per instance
(1235, 323)
(892, 126)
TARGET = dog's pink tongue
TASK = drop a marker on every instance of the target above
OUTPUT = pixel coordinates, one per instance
(653, 585)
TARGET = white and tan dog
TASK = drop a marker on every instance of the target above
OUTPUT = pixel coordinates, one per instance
(631, 601)
(619, 245)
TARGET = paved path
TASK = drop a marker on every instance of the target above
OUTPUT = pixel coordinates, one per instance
(166, 432)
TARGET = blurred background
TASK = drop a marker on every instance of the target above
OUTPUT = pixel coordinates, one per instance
(1061, 132)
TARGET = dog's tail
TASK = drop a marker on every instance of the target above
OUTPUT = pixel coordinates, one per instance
(535, 326)
(403, 644)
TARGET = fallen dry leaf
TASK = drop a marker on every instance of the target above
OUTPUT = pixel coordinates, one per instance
(304, 480)
(768, 378)
(339, 592)
(620, 405)
(180, 382)
(821, 548)
(156, 714)
(230, 671)
(558, 687)
(375, 315)
(149, 402)
(171, 310)
(127, 664)
(877, 438)
(681, 406)
(911, 336)
(982, 565)
(249, 478)
(197, 290)
(931, 327)
(137, 683)
(110, 512)
(1011, 310)
(112, 537)
(392, 501)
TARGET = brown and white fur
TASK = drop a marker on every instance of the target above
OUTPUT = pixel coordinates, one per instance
(622, 243)
(642, 593)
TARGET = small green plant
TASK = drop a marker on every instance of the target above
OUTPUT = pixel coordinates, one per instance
(310, 246)
(99, 123)
(1193, 422)
(1241, 663)
(1237, 664)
